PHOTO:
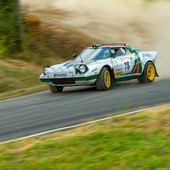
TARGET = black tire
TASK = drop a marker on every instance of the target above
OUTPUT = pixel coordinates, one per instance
(145, 78)
(100, 83)
(56, 89)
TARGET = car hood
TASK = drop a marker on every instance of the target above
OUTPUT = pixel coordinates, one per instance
(74, 64)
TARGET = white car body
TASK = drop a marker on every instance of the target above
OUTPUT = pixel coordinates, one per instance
(124, 67)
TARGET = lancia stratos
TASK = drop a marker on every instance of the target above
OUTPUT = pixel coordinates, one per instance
(102, 65)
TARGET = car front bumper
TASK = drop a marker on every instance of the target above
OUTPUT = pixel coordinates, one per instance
(76, 81)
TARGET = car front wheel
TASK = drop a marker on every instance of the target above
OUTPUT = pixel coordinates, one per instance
(56, 89)
(104, 80)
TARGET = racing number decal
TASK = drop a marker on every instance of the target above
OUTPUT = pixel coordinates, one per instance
(127, 65)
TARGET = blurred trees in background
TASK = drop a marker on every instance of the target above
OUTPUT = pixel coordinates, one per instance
(9, 27)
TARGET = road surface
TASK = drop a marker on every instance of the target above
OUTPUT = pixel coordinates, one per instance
(44, 111)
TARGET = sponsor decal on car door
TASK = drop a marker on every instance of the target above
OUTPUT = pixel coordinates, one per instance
(121, 66)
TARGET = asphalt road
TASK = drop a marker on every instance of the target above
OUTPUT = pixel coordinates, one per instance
(45, 111)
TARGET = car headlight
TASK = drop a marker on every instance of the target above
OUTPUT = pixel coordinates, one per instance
(45, 69)
(83, 68)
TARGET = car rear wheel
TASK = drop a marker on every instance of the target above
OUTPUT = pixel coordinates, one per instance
(148, 74)
(104, 80)
(56, 89)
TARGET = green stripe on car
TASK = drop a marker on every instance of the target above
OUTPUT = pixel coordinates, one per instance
(45, 80)
(140, 66)
(134, 65)
(67, 63)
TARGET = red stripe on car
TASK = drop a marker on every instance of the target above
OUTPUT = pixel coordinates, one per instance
(136, 69)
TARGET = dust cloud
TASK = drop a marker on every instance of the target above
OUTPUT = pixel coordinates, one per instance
(145, 26)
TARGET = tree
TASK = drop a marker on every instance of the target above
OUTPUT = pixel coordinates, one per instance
(19, 17)
(9, 27)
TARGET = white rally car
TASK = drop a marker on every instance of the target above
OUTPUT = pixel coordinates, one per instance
(102, 65)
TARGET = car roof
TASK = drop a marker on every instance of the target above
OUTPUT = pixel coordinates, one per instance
(109, 45)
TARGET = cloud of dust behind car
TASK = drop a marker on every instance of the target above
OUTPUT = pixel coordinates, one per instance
(143, 25)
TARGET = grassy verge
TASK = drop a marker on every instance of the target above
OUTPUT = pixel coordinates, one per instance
(18, 78)
(138, 141)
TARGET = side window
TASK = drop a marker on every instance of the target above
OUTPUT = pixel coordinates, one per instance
(121, 51)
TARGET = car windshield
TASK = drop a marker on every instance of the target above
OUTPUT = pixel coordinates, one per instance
(93, 54)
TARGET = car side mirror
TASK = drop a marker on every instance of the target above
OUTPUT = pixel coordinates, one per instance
(74, 55)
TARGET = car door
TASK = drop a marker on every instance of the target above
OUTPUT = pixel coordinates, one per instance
(121, 65)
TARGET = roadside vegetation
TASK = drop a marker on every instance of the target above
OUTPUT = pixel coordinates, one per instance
(138, 141)
(18, 78)
(20, 71)
(9, 28)
(22, 58)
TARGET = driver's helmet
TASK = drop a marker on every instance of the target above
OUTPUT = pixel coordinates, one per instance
(113, 52)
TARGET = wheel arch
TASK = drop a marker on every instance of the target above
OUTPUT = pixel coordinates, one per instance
(111, 73)
(156, 73)
(107, 66)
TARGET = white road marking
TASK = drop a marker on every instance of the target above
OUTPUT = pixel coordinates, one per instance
(74, 126)
(33, 94)
(26, 95)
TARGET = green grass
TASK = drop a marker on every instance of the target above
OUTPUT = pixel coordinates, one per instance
(131, 142)
(14, 78)
(18, 78)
